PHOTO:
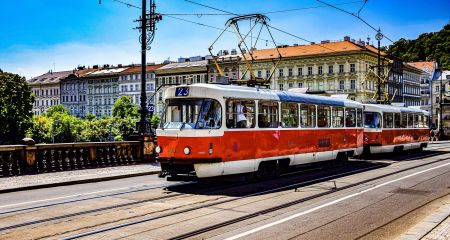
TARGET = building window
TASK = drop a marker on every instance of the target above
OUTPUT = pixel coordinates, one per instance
(300, 71)
(320, 70)
(352, 84)
(280, 86)
(352, 67)
(280, 72)
(291, 85)
(341, 84)
(290, 72)
(437, 99)
(341, 68)
(300, 85)
(320, 85)
(259, 73)
(309, 70)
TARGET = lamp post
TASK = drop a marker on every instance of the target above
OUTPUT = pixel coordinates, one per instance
(55, 123)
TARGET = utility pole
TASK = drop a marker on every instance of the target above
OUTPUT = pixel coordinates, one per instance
(147, 26)
(441, 129)
(379, 36)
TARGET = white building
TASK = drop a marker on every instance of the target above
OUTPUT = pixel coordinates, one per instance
(103, 90)
(130, 83)
(46, 89)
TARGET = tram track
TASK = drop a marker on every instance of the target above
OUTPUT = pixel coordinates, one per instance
(252, 215)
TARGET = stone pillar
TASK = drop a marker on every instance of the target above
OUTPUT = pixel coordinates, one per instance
(28, 157)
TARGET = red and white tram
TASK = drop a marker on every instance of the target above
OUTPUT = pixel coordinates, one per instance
(213, 130)
(389, 128)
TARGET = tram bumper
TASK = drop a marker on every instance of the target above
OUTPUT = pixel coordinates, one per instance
(173, 167)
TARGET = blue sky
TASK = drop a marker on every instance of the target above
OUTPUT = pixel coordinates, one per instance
(39, 35)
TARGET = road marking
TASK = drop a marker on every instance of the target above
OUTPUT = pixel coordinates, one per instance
(330, 203)
(64, 197)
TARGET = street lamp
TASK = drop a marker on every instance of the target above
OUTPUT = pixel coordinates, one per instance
(55, 123)
(110, 136)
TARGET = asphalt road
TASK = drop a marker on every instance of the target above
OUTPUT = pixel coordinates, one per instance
(379, 198)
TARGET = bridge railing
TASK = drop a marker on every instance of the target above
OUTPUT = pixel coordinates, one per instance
(28, 159)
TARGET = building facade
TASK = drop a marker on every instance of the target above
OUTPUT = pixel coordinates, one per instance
(342, 67)
(441, 82)
(130, 83)
(185, 71)
(228, 63)
(46, 89)
(103, 90)
(411, 85)
(74, 92)
(428, 71)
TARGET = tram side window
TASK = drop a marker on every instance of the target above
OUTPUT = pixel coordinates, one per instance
(388, 120)
(323, 116)
(338, 117)
(372, 120)
(426, 119)
(403, 123)
(307, 116)
(359, 120)
(240, 113)
(397, 120)
(268, 114)
(350, 117)
(289, 115)
(416, 120)
(410, 120)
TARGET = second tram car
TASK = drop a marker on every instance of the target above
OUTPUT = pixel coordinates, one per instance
(389, 128)
(212, 130)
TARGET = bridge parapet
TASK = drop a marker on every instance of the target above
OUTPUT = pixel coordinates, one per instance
(29, 159)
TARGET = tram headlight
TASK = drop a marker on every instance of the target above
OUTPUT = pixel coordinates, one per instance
(158, 149)
(187, 150)
(366, 139)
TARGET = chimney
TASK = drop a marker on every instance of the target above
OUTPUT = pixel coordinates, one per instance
(325, 41)
(233, 52)
(295, 44)
(95, 66)
(347, 38)
(312, 43)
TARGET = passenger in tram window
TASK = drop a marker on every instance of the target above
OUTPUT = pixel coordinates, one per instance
(323, 117)
(397, 120)
(270, 110)
(289, 115)
(338, 117)
(263, 122)
(410, 120)
(307, 116)
(241, 110)
(359, 120)
(403, 122)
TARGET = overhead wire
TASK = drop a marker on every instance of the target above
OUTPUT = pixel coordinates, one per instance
(354, 15)
(270, 26)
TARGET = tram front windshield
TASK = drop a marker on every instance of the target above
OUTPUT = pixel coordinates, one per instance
(192, 114)
(372, 120)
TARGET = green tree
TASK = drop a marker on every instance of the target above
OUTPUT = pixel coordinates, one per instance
(55, 110)
(16, 105)
(41, 130)
(427, 47)
(123, 107)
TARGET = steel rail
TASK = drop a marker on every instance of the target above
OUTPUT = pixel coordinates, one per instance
(292, 186)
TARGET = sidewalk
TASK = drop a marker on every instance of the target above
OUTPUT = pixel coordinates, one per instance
(434, 227)
(53, 179)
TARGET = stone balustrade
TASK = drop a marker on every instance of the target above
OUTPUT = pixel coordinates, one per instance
(28, 159)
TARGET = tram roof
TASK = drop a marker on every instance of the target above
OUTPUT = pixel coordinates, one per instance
(233, 91)
(391, 108)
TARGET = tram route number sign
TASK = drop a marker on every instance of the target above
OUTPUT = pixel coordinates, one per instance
(151, 107)
(182, 92)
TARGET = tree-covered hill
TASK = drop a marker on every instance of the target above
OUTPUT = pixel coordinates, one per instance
(429, 46)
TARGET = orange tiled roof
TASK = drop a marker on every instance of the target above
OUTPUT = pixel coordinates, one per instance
(423, 65)
(314, 49)
(137, 69)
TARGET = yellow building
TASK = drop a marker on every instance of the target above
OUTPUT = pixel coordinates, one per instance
(328, 68)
